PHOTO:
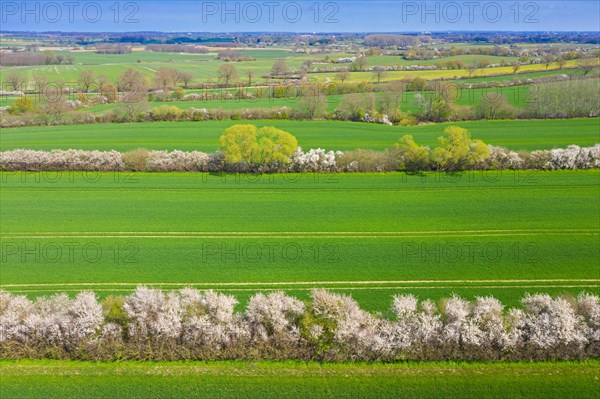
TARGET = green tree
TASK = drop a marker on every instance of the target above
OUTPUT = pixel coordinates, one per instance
(414, 157)
(21, 105)
(457, 151)
(247, 145)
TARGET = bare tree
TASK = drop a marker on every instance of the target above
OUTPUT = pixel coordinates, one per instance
(250, 74)
(40, 81)
(471, 70)
(130, 78)
(515, 67)
(15, 80)
(342, 75)
(548, 60)
(184, 77)
(55, 106)
(279, 68)
(586, 65)
(109, 91)
(227, 73)
(379, 73)
(313, 103)
(165, 77)
(87, 79)
(134, 102)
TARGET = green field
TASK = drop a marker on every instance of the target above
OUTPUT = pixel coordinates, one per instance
(518, 96)
(332, 135)
(372, 235)
(61, 379)
(204, 66)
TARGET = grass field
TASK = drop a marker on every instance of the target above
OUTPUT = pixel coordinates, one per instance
(204, 66)
(371, 235)
(61, 379)
(332, 135)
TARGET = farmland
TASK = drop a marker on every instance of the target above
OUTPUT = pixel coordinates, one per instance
(332, 135)
(205, 65)
(433, 235)
(446, 231)
(60, 379)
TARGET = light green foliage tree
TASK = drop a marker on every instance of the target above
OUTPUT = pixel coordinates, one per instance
(414, 157)
(21, 105)
(457, 151)
(245, 144)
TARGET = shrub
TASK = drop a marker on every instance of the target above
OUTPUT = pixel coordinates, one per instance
(31, 160)
(413, 157)
(458, 151)
(136, 160)
(247, 146)
(189, 323)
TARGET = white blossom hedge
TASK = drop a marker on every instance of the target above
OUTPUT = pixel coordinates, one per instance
(193, 324)
(314, 160)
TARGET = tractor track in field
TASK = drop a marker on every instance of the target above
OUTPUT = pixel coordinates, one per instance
(298, 234)
(307, 285)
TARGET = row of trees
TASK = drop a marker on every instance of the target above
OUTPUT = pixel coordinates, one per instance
(43, 58)
(246, 148)
(193, 324)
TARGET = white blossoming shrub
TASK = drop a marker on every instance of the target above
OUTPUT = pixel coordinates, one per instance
(55, 160)
(193, 324)
(314, 161)
(501, 158)
(209, 319)
(589, 307)
(177, 161)
(153, 314)
(85, 315)
(351, 326)
(274, 315)
(575, 157)
(13, 312)
(548, 322)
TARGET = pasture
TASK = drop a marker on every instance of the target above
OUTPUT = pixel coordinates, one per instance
(331, 135)
(371, 235)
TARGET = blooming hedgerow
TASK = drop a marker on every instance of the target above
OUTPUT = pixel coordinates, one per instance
(204, 324)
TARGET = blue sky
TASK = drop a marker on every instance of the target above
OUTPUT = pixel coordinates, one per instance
(300, 15)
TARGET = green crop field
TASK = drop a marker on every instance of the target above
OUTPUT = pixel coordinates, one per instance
(62, 379)
(332, 135)
(372, 235)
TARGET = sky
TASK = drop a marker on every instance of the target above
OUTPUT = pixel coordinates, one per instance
(299, 16)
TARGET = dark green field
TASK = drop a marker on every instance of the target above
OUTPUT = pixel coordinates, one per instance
(332, 135)
(59, 379)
